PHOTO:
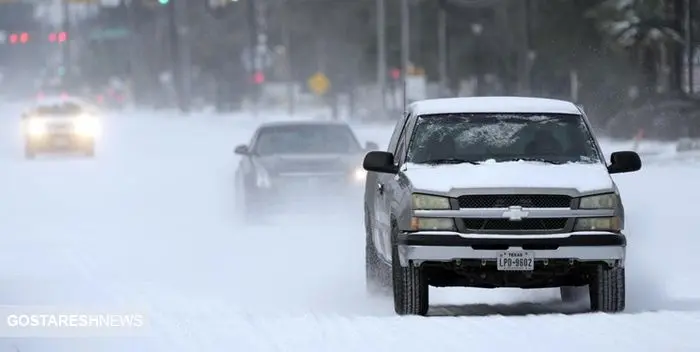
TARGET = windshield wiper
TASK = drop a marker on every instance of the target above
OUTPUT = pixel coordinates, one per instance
(449, 161)
(543, 160)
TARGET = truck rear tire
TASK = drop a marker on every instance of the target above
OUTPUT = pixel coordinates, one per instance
(375, 278)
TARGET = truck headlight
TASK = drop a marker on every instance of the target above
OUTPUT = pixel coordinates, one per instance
(87, 126)
(601, 201)
(36, 128)
(428, 202)
(598, 224)
(432, 224)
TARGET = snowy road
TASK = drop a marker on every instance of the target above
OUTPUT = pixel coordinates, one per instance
(147, 225)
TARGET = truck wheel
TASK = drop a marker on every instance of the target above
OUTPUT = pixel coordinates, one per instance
(410, 285)
(375, 281)
(607, 289)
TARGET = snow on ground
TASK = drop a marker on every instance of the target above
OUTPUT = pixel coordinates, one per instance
(148, 225)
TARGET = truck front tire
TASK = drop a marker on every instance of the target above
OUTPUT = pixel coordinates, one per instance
(410, 285)
(607, 289)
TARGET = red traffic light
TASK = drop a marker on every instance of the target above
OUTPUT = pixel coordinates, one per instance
(58, 37)
(395, 73)
(19, 38)
(258, 78)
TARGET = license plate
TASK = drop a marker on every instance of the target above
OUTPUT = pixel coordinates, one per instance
(516, 261)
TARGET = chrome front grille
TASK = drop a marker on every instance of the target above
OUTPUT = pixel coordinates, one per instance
(508, 200)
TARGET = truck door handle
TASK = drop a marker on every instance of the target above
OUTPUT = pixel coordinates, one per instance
(380, 188)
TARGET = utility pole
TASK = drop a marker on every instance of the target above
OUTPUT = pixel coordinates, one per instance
(66, 26)
(184, 54)
(442, 47)
(257, 26)
(524, 52)
(287, 42)
(689, 45)
(180, 46)
(175, 53)
(135, 71)
(381, 53)
(405, 48)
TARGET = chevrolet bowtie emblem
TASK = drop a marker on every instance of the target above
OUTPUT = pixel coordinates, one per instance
(515, 213)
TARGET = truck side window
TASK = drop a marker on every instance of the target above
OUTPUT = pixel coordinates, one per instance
(399, 154)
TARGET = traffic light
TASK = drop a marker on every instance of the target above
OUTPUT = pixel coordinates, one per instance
(395, 73)
(163, 2)
(258, 78)
(59, 37)
(18, 38)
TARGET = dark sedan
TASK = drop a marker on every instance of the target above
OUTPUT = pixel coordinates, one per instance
(290, 162)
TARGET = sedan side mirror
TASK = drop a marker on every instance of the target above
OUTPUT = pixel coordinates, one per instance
(625, 161)
(242, 150)
(371, 146)
(378, 161)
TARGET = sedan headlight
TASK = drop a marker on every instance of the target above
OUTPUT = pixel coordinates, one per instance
(428, 202)
(87, 126)
(359, 175)
(601, 201)
(36, 128)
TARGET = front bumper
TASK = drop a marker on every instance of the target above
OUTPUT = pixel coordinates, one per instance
(312, 185)
(418, 247)
(59, 141)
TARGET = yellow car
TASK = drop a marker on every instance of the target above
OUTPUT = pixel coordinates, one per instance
(65, 125)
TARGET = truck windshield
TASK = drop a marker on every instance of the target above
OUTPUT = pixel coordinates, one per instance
(474, 138)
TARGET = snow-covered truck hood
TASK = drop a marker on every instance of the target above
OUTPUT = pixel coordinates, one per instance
(520, 174)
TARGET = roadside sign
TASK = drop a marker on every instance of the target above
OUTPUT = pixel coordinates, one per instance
(319, 83)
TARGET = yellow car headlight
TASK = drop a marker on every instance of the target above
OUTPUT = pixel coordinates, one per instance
(601, 201)
(598, 224)
(428, 202)
(87, 126)
(36, 128)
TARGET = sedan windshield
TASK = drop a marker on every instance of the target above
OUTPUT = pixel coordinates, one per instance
(474, 138)
(307, 139)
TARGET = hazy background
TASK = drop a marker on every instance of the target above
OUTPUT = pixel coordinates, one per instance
(625, 61)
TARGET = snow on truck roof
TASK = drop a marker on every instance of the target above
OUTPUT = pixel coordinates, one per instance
(494, 105)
